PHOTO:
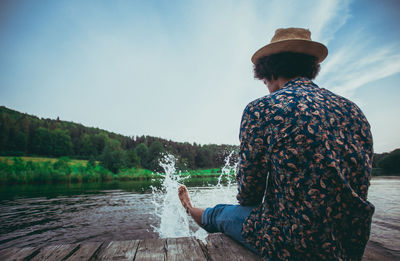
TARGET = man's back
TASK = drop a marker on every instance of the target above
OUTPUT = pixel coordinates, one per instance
(316, 148)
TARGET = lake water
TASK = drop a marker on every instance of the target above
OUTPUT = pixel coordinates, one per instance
(38, 215)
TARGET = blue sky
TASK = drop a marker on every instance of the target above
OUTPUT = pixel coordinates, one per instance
(181, 70)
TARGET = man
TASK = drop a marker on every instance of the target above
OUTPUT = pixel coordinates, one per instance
(305, 163)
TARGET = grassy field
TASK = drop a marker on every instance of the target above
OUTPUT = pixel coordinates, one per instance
(10, 160)
(21, 170)
(202, 173)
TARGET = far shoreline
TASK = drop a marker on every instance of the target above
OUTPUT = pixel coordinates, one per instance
(386, 177)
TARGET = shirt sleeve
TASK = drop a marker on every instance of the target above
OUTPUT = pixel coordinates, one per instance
(253, 164)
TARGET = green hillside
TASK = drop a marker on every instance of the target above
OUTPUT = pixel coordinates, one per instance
(22, 134)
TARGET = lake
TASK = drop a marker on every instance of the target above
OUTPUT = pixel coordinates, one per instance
(38, 215)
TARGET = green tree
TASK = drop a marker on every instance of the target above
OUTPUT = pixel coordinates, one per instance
(91, 162)
(113, 156)
(61, 143)
(143, 153)
(86, 146)
(377, 157)
(391, 162)
(188, 156)
(203, 158)
(75, 132)
(5, 124)
(41, 142)
(17, 142)
(41, 138)
(155, 151)
(21, 141)
(133, 159)
(99, 141)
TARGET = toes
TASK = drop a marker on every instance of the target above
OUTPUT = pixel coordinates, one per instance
(182, 189)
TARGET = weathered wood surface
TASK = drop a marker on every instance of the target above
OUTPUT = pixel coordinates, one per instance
(119, 250)
(152, 249)
(219, 247)
(184, 248)
(85, 251)
(58, 252)
(17, 253)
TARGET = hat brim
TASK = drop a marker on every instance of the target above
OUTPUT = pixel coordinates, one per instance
(296, 46)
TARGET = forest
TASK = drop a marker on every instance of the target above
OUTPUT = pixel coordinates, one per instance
(22, 134)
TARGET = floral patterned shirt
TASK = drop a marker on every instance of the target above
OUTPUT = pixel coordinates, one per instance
(305, 161)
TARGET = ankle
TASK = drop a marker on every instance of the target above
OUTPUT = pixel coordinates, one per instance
(189, 208)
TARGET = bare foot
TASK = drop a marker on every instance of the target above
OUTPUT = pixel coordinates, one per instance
(183, 194)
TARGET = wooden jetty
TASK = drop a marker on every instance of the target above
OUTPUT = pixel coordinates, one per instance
(218, 247)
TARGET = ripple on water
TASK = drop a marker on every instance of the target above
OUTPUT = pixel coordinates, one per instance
(123, 214)
(384, 193)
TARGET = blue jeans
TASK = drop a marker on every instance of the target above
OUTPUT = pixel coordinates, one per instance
(229, 220)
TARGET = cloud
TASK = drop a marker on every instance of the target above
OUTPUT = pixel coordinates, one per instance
(359, 62)
(182, 70)
(327, 17)
(357, 56)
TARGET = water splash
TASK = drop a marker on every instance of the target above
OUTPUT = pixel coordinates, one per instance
(228, 172)
(174, 221)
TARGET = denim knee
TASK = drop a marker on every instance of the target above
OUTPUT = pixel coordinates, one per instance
(209, 218)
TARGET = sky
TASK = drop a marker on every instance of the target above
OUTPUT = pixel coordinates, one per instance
(181, 70)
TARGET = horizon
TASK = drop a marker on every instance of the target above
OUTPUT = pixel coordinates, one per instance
(181, 70)
(135, 136)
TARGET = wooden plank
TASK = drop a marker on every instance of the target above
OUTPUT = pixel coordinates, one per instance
(119, 250)
(184, 248)
(17, 253)
(152, 249)
(85, 251)
(56, 252)
(222, 247)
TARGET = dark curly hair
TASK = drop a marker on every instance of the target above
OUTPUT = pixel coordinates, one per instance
(287, 65)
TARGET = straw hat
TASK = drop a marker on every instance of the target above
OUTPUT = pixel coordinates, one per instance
(297, 40)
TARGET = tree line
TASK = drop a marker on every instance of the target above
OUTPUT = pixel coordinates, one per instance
(26, 135)
(22, 134)
(388, 163)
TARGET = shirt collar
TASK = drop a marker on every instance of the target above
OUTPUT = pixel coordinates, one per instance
(298, 81)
